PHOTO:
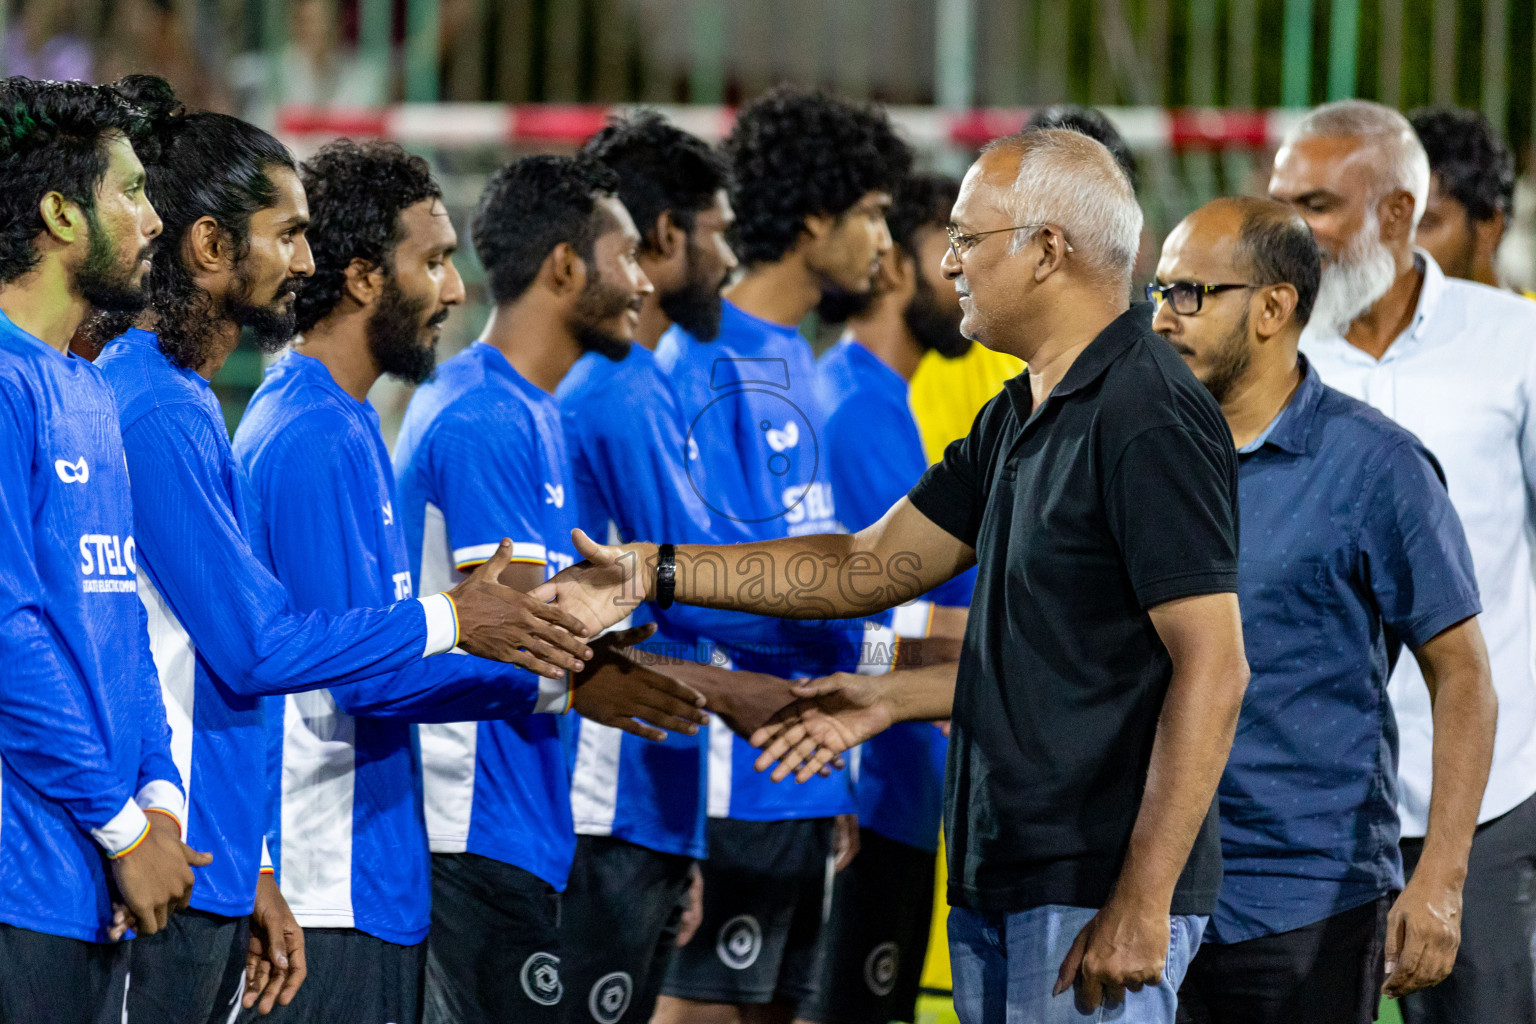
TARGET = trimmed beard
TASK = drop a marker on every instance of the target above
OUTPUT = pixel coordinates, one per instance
(272, 326)
(395, 335)
(696, 307)
(1356, 278)
(1232, 360)
(598, 303)
(936, 329)
(107, 286)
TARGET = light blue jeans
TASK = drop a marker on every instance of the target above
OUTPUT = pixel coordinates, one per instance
(1005, 966)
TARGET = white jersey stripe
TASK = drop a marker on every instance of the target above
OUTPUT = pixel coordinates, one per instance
(720, 748)
(319, 759)
(448, 769)
(595, 780)
(176, 664)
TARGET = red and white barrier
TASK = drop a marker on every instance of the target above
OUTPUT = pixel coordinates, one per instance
(459, 124)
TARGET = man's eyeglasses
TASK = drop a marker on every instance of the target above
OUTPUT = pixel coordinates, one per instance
(1188, 296)
(961, 243)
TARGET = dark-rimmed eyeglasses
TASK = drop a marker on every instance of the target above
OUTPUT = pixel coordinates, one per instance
(1188, 296)
(961, 243)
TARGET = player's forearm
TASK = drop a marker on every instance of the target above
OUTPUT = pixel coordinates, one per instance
(1465, 714)
(922, 694)
(1189, 754)
(820, 576)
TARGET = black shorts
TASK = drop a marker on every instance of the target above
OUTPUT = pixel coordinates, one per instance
(877, 936)
(494, 952)
(53, 978)
(764, 890)
(354, 978)
(618, 926)
(1329, 972)
(190, 972)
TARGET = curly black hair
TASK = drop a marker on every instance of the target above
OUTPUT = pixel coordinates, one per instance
(797, 154)
(198, 165)
(357, 191)
(1474, 166)
(661, 168)
(532, 205)
(53, 138)
(1092, 123)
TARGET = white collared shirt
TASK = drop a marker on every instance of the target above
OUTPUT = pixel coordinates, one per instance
(1462, 377)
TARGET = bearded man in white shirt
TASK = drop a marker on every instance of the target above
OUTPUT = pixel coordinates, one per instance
(1454, 362)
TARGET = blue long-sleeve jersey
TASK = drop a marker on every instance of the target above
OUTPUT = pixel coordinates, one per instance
(754, 424)
(349, 840)
(481, 456)
(83, 736)
(222, 628)
(875, 456)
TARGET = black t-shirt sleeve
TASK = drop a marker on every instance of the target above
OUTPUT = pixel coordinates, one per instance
(953, 491)
(1171, 502)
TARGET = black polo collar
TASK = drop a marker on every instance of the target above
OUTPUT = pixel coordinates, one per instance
(1112, 342)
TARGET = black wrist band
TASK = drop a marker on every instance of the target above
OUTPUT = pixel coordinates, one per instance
(666, 574)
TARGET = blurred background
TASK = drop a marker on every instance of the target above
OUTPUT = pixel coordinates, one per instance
(1202, 89)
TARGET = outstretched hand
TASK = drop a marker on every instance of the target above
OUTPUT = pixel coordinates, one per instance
(832, 715)
(618, 691)
(603, 588)
(504, 624)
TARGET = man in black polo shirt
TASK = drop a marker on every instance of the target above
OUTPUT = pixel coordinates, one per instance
(1103, 665)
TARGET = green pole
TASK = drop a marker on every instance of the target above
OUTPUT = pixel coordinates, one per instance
(1495, 64)
(422, 23)
(373, 40)
(1296, 52)
(706, 45)
(1343, 48)
(274, 39)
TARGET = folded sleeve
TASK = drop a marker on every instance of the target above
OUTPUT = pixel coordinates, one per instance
(1413, 551)
(1171, 503)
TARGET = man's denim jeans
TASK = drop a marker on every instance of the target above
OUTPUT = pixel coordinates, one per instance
(1005, 966)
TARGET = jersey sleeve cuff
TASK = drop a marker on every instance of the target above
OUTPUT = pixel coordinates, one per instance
(266, 859)
(123, 834)
(165, 797)
(879, 654)
(554, 696)
(466, 558)
(442, 624)
(913, 619)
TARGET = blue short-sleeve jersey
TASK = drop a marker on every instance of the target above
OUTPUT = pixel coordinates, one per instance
(82, 729)
(755, 421)
(1349, 549)
(349, 839)
(875, 456)
(481, 456)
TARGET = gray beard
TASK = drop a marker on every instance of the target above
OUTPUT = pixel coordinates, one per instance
(1354, 279)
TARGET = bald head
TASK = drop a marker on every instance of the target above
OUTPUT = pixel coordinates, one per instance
(1059, 176)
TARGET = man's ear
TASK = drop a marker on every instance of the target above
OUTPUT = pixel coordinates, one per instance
(819, 225)
(207, 249)
(363, 282)
(566, 270)
(1277, 308)
(1487, 234)
(1053, 251)
(896, 274)
(1395, 210)
(668, 239)
(62, 219)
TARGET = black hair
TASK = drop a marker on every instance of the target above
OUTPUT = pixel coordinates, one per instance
(53, 138)
(1474, 166)
(920, 201)
(198, 165)
(1092, 123)
(797, 154)
(532, 205)
(1280, 249)
(661, 169)
(357, 192)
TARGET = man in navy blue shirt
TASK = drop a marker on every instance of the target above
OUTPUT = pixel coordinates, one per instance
(1350, 550)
